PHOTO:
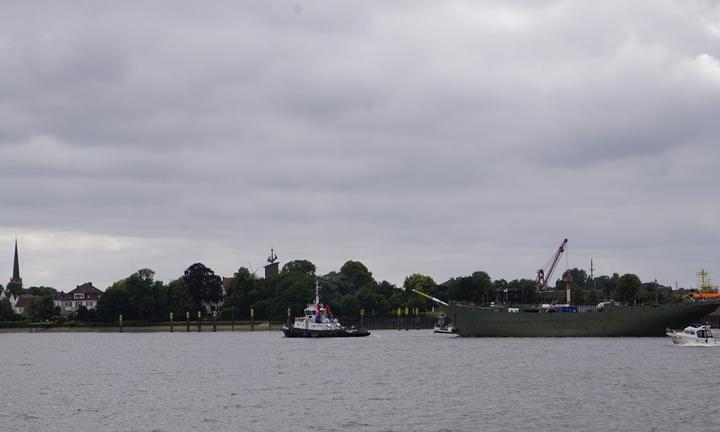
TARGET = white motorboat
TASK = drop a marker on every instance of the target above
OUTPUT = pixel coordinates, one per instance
(693, 335)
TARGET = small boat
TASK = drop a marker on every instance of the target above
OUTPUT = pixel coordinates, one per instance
(443, 325)
(693, 335)
(318, 321)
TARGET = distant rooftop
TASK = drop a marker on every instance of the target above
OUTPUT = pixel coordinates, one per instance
(86, 288)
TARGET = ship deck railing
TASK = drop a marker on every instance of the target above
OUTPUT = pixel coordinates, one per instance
(587, 308)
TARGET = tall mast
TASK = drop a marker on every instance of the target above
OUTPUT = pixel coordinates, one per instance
(317, 292)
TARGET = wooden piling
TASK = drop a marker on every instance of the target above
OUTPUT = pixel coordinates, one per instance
(120, 322)
(399, 311)
(252, 319)
(214, 321)
(199, 322)
(407, 318)
(187, 320)
(171, 322)
(362, 318)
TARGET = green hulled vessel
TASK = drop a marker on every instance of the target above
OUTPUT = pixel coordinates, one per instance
(606, 319)
(651, 320)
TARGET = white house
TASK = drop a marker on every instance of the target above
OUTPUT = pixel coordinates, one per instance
(83, 295)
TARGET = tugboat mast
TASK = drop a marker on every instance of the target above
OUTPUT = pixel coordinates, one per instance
(317, 292)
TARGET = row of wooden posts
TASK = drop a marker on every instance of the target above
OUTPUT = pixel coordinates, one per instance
(401, 323)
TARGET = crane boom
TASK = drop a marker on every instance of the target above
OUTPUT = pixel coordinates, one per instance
(436, 300)
(543, 277)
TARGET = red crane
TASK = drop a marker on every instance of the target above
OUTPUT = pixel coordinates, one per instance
(543, 277)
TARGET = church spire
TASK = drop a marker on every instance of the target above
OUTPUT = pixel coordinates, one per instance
(16, 267)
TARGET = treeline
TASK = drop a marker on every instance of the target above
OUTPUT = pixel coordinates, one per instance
(348, 290)
(626, 288)
(352, 288)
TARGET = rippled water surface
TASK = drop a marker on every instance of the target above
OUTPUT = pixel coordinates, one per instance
(390, 381)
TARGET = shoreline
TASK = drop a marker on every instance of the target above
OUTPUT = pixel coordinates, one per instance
(142, 328)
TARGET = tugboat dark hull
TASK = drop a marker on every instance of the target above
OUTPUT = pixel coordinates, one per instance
(310, 333)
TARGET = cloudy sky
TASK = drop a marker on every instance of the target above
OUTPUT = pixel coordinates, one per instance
(419, 136)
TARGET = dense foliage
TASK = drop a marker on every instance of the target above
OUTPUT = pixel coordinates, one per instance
(352, 288)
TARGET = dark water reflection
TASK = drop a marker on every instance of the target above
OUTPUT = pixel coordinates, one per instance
(390, 381)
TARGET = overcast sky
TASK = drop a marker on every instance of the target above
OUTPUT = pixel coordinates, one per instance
(431, 137)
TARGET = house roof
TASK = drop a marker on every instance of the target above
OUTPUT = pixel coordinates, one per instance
(86, 288)
(23, 300)
(227, 284)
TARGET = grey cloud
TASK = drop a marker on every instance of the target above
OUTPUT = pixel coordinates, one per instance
(417, 136)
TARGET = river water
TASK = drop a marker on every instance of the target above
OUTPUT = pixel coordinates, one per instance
(390, 381)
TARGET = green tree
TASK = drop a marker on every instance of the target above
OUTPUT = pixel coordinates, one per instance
(398, 299)
(331, 289)
(142, 298)
(354, 276)
(419, 282)
(461, 289)
(350, 305)
(475, 288)
(263, 308)
(6, 311)
(301, 266)
(144, 303)
(292, 290)
(15, 288)
(627, 287)
(424, 284)
(578, 276)
(498, 289)
(386, 289)
(204, 285)
(113, 302)
(482, 284)
(607, 284)
(40, 308)
(41, 291)
(521, 291)
(371, 300)
(86, 315)
(243, 292)
(416, 302)
(578, 296)
(647, 293)
(179, 298)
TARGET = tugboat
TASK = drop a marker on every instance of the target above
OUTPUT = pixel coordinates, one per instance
(318, 321)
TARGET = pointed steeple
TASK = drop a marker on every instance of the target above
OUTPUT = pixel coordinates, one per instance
(16, 267)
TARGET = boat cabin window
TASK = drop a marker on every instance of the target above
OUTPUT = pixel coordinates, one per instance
(704, 333)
